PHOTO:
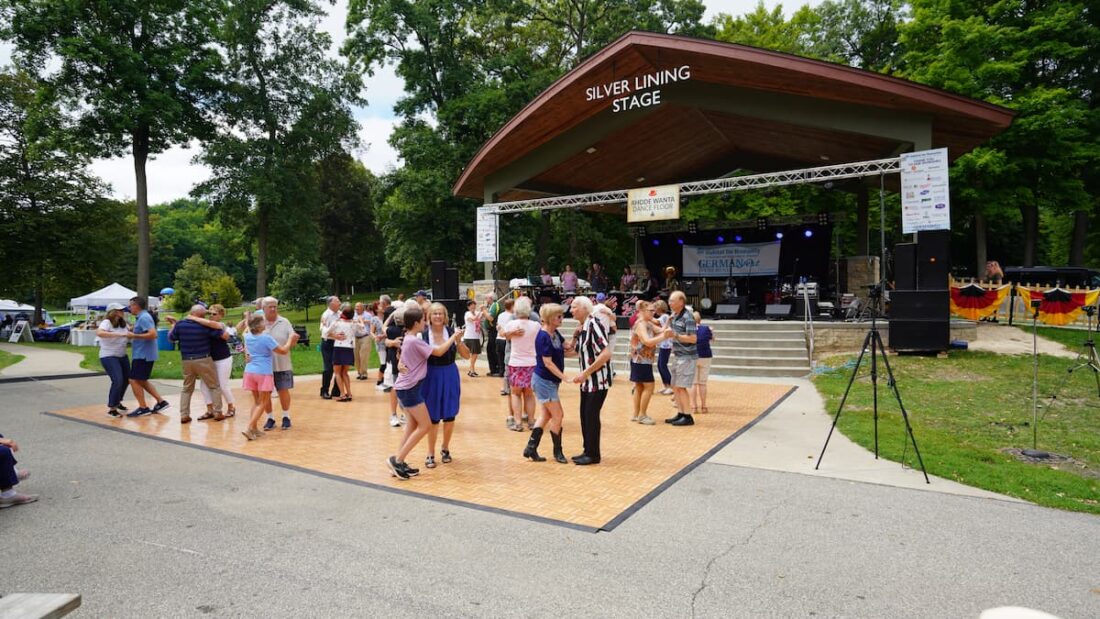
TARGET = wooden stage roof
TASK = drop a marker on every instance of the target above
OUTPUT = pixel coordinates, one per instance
(734, 108)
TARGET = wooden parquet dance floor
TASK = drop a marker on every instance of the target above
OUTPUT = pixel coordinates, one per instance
(352, 441)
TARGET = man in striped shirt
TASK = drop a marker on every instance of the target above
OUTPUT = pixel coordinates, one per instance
(591, 346)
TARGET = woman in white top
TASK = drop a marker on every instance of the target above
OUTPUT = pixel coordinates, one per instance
(113, 335)
(472, 339)
(343, 350)
(664, 349)
(521, 333)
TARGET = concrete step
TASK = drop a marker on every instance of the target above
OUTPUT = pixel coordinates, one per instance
(784, 352)
(789, 370)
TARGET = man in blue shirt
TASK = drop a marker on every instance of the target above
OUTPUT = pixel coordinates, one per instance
(144, 349)
(194, 340)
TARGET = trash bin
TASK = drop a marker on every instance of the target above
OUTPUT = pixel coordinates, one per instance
(163, 343)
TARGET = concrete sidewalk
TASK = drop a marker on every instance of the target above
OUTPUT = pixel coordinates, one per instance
(42, 362)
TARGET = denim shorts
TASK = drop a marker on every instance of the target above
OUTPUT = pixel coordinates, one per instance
(545, 390)
(411, 397)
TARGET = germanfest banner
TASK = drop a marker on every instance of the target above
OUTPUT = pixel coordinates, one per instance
(736, 260)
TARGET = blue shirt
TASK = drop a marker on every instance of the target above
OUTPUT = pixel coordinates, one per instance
(703, 336)
(194, 339)
(144, 349)
(260, 349)
(546, 346)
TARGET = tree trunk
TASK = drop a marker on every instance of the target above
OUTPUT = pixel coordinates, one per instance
(1030, 214)
(862, 207)
(39, 292)
(1080, 234)
(981, 250)
(141, 156)
(261, 253)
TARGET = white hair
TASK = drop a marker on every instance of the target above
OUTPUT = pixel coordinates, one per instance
(385, 299)
(411, 303)
(582, 302)
(522, 308)
(268, 301)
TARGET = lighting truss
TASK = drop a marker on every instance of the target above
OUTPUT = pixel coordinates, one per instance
(719, 185)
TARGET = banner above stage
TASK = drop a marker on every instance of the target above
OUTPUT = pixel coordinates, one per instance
(653, 203)
(739, 260)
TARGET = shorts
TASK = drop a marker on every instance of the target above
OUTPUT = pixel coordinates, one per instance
(520, 377)
(284, 380)
(411, 397)
(258, 382)
(641, 372)
(683, 371)
(141, 369)
(473, 345)
(545, 390)
(702, 371)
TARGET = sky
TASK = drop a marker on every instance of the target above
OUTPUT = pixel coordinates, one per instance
(173, 173)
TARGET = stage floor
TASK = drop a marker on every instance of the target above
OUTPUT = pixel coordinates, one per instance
(350, 441)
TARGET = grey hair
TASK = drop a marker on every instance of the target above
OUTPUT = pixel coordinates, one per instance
(411, 303)
(333, 298)
(522, 308)
(268, 301)
(583, 302)
(385, 298)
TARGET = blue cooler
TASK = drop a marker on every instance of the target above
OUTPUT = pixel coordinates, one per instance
(163, 343)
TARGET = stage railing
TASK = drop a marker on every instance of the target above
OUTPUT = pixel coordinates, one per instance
(808, 324)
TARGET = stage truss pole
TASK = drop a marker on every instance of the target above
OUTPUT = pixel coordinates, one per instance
(719, 185)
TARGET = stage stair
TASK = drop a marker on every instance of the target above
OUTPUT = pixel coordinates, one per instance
(742, 348)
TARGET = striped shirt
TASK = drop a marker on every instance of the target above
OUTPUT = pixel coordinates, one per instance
(591, 341)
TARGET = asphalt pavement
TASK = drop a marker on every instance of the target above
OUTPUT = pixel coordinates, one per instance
(144, 528)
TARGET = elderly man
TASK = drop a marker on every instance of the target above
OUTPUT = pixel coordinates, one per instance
(280, 329)
(328, 342)
(681, 330)
(363, 343)
(493, 308)
(591, 346)
(194, 340)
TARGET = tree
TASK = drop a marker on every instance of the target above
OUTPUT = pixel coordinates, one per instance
(351, 245)
(135, 73)
(198, 281)
(183, 228)
(43, 179)
(286, 107)
(298, 284)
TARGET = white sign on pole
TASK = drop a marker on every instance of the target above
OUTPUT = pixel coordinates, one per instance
(925, 196)
(653, 203)
(486, 234)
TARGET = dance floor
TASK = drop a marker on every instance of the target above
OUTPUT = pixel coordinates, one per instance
(351, 441)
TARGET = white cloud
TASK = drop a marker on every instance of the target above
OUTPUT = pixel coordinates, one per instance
(170, 175)
(377, 154)
(740, 7)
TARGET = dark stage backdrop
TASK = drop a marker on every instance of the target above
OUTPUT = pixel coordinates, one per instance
(799, 255)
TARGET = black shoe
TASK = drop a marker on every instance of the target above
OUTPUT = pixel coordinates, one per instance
(685, 420)
(585, 461)
(678, 417)
(578, 457)
(163, 404)
(396, 469)
(114, 413)
(559, 456)
(325, 396)
(122, 407)
(387, 390)
(531, 452)
(408, 469)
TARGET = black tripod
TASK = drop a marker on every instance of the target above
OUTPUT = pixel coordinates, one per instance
(1086, 360)
(874, 341)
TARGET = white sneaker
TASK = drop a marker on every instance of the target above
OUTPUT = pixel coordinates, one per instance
(401, 420)
(394, 421)
(379, 386)
(634, 419)
(665, 391)
(646, 420)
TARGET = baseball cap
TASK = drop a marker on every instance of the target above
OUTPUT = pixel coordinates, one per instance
(115, 306)
(421, 293)
(600, 297)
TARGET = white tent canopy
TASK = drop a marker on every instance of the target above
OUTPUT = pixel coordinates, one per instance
(7, 306)
(100, 299)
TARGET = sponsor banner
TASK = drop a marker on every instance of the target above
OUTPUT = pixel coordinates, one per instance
(739, 260)
(925, 199)
(653, 203)
(486, 234)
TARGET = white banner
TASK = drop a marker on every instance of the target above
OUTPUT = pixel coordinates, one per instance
(925, 199)
(737, 260)
(653, 203)
(486, 234)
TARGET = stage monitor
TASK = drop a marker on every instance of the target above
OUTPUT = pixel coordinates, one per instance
(729, 310)
(778, 311)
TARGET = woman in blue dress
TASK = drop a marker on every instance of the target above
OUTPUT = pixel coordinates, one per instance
(442, 387)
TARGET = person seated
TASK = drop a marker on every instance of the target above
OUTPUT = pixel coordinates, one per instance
(671, 283)
(11, 476)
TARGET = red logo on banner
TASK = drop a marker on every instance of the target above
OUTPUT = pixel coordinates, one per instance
(652, 192)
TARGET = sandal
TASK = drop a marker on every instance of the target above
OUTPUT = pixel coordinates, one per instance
(344, 398)
(429, 462)
(206, 415)
(446, 456)
(230, 413)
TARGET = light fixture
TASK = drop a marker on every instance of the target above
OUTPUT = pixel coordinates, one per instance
(639, 179)
(761, 223)
(656, 242)
(824, 157)
(590, 150)
(779, 235)
(737, 239)
(808, 233)
(721, 240)
(680, 241)
(822, 219)
(692, 227)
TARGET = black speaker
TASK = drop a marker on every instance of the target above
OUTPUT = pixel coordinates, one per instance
(457, 310)
(734, 309)
(439, 268)
(919, 335)
(778, 311)
(450, 283)
(933, 259)
(800, 307)
(905, 266)
(920, 305)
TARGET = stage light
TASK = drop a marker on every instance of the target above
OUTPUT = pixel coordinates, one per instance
(737, 239)
(808, 233)
(779, 235)
(761, 223)
(692, 227)
(721, 239)
(680, 241)
(590, 150)
(822, 219)
(656, 242)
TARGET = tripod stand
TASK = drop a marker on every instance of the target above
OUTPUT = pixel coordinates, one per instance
(1085, 360)
(873, 340)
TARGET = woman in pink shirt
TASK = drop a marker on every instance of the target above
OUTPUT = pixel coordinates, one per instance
(414, 361)
(521, 332)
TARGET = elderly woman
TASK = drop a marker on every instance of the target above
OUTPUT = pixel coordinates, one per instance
(549, 373)
(644, 339)
(521, 333)
(569, 280)
(113, 334)
(442, 387)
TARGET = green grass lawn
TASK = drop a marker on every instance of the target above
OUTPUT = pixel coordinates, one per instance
(7, 358)
(967, 409)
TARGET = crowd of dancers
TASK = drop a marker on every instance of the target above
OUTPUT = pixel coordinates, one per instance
(418, 348)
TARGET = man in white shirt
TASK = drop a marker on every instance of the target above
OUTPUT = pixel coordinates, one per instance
(328, 342)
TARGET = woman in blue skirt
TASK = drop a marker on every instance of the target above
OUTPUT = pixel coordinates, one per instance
(442, 387)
